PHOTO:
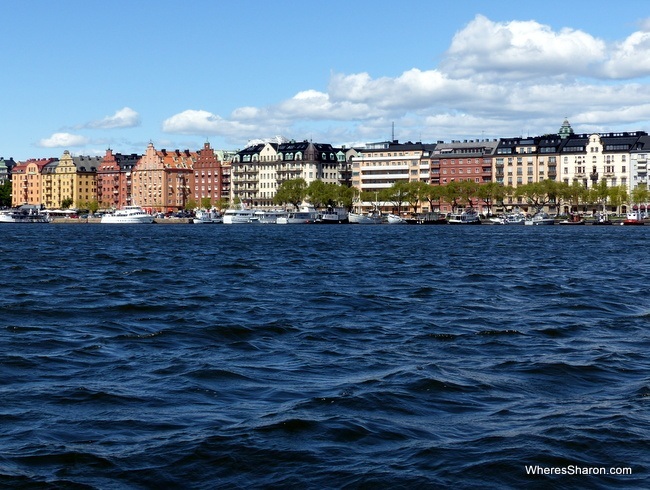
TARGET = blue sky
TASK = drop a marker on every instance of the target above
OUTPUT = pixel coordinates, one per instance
(85, 75)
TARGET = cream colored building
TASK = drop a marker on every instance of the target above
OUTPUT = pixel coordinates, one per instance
(379, 166)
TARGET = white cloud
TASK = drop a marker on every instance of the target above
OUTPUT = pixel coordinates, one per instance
(202, 122)
(63, 140)
(522, 49)
(123, 118)
(496, 79)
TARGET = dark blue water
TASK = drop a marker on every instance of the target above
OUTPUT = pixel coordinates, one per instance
(323, 356)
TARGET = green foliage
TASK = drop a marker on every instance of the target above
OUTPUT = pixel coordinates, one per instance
(66, 203)
(5, 194)
(206, 203)
(291, 191)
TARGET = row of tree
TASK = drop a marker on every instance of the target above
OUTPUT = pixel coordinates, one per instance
(411, 195)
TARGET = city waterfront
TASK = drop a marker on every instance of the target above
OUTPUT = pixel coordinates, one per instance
(323, 356)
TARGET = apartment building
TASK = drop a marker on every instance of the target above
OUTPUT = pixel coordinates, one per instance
(260, 169)
(160, 181)
(639, 163)
(208, 181)
(379, 166)
(114, 179)
(26, 182)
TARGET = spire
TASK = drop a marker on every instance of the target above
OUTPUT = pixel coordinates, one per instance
(566, 130)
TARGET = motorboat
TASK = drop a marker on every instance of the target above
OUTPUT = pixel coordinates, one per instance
(268, 217)
(393, 219)
(432, 218)
(540, 218)
(207, 217)
(573, 219)
(467, 217)
(239, 216)
(633, 218)
(23, 215)
(305, 215)
(334, 216)
(128, 215)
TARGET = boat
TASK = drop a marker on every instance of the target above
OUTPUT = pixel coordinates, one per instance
(573, 219)
(207, 217)
(433, 218)
(128, 215)
(602, 219)
(539, 219)
(239, 216)
(393, 219)
(372, 218)
(268, 217)
(467, 217)
(633, 218)
(305, 215)
(23, 215)
(336, 215)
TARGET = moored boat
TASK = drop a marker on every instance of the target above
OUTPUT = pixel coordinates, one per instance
(467, 217)
(238, 216)
(128, 215)
(393, 219)
(633, 218)
(305, 215)
(540, 219)
(334, 216)
(574, 219)
(207, 217)
(25, 214)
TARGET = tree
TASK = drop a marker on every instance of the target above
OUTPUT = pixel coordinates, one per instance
(435, 193)
(206, 203)
(416, 192)
(618, 195)
(535, 193)
(452, 193)
(468, 190)
(291, 191)
(639, 194)
(5, 194)
(397, 194)
(491, 193)
(66, 203)
(319, 193)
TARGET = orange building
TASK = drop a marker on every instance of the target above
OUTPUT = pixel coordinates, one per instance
(26, 182)
(161, 180)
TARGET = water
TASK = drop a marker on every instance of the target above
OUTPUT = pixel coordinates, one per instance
(323, 356)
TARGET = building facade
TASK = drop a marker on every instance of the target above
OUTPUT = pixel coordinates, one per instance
(160, 181)
(260, 169)
(26, 182)
(114, 179)
(208, 181)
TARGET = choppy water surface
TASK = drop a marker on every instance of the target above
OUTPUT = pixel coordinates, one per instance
(323, 356)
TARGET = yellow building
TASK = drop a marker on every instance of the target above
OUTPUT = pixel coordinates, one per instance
(71, 179)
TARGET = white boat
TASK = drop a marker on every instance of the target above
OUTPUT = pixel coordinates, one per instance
(540, 219)
(394, 219)
(268, 217)
(510, 219)
(239, 216)
(633, 218)
(23, 216)
(334, 216)
(207, 217)
(305, 215)
(467, 217)
(128, 215)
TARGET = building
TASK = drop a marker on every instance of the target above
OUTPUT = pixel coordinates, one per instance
(6, 167)
(114, 179)
(379, 166)
(260, 169)
(639, 163)
(26, 182)
(70, 179)
(208, 181)
(160, 181)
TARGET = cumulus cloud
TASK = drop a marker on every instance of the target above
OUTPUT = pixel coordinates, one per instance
(495, 79)
(202, 123)
(123, 118)
(522, 49)
(63, 140)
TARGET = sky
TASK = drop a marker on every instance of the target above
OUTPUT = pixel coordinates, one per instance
(88, 75)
